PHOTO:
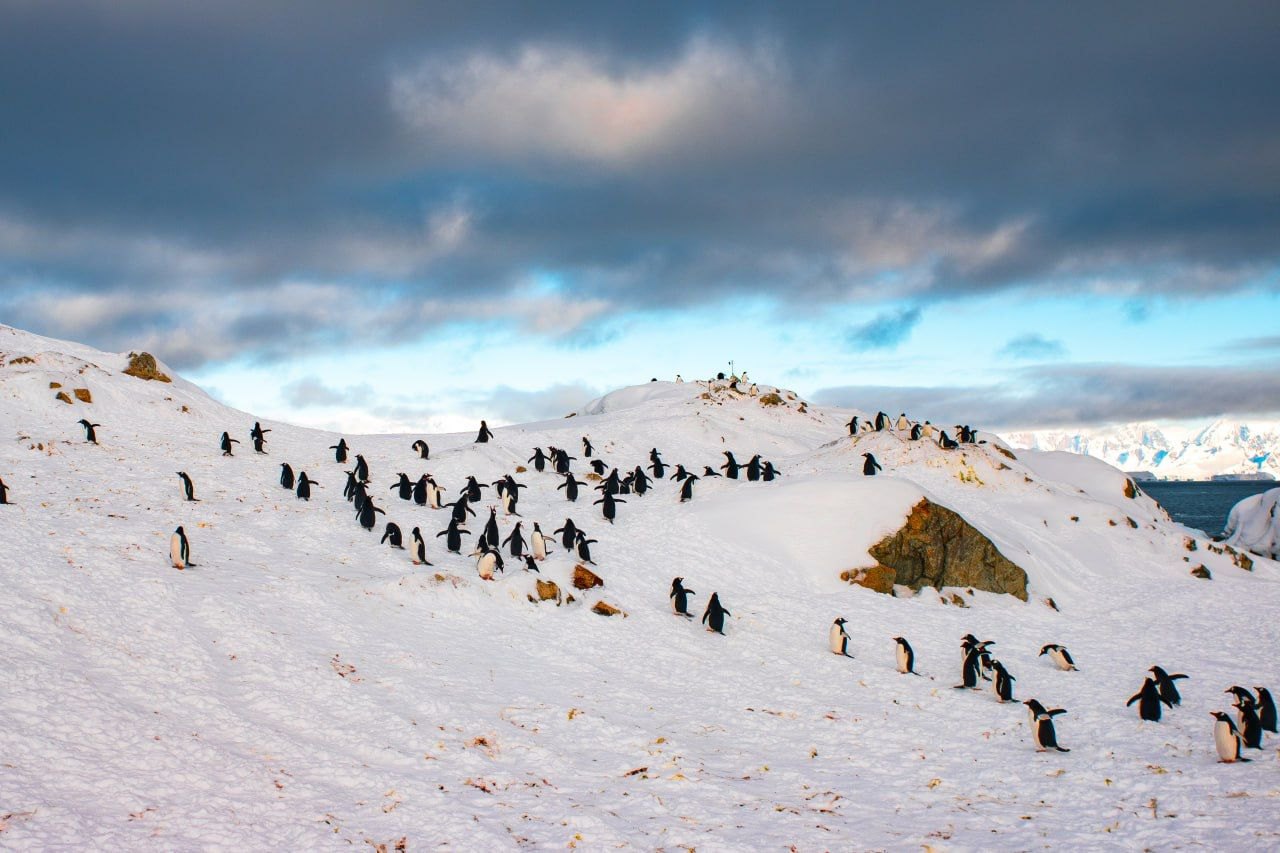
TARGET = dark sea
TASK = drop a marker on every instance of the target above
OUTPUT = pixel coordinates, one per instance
(1203, 505)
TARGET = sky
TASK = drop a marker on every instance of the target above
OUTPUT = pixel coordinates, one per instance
(387, 217)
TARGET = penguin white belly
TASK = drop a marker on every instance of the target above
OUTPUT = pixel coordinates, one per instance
(1060, 659)
(1225, 740)
(839, 641)
(485, 566)
(903, 665)
(175, 552)
(539, 545)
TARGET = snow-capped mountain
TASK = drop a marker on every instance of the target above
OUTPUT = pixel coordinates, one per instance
(1182, 452)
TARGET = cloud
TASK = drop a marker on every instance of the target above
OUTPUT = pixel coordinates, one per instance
(1033, 347)
(1076, 395)
(513, 405)
(1266, 342)
(885, 330)
(311, 391)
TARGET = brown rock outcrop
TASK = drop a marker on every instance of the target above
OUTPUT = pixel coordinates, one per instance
(143, 366)
(584, 578)
(876, 578)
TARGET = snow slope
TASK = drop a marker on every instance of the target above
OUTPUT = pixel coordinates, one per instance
(303, 687)
(1254, 524)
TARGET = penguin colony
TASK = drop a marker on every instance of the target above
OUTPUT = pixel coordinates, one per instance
(1255, 709)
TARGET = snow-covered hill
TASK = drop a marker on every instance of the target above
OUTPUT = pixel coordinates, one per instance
(304, 687)
(1184, 452)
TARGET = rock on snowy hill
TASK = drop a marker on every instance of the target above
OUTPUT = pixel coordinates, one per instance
(302, 685)
(1254, 524)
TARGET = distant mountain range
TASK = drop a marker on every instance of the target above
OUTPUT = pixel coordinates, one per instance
(1218, 448)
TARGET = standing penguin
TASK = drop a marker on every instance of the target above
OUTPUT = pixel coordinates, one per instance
(905, 656)
(1060, 656)
(713, 616)
(420, 491)
(560, 460)
(610, 508)
(362, 469)
(484, 435)
(1266, 705)
(1002, 685)
(1226, 739)
(686, 488)
(453, 544)
(970, 669)
(680, 474)
(405, 485)
(853, 425)
(259, 436)
(461, 507)
(586, 447)
(516, 538)
(1165, 683)
(570, 486)
(424, 452)
(304, 486)
(680, 598)
(4, 493)
(419, 549)
(538, 542)
(882, 422)
(656, 465)
(91, 433)
(393, 535)
(188, 490)
(472, 489)
(1035, 709)
(369, 514)
(1148, 699)
(538, 459)
(730, 466)
(1247, 713)
(768, 473)
(225, 443)
(753, 468)
(340, 451)
(491, 535)
(916, 431)
(286, 476)
(639, 481)
(583, 545)
(1045, 735)
(570, 533)
(837, 639)
(180, 549)
(870, 466)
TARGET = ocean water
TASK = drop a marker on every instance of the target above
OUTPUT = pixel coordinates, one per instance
(1203, 505)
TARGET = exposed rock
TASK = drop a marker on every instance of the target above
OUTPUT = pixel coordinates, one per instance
(1188, 543)
(584, 578)
(958, 601)
(23, 359)
(876, 578)
(1201, 572)
(62, 395)
(55, 384)
(83, 395)
(520, 469)
(143, 365)
(937, 547)
(1132, 523)
(604, 608)
(1130, 488)
(771, 399)
(548, 591)
(1004, 451)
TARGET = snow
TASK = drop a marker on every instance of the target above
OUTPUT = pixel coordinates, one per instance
(302, 687)
(1253, 524)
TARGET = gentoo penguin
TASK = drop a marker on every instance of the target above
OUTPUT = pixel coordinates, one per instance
(870, 466)
(769, 472)
(90, 431)
(853, 425)
(713, 616)
(1247, 713)
(1266, 705)
(640, 481)
(680, 598)
(4, 493)
(362, 469)
(435, 494)
(686, 488)
(509, 497)
(340, 451)
(530, 565)
(405, 485)
(491, 535)
(730, 466)
(484, 435)
(708, 471)
(472, 489)
(837, 639)
(188, 490)
(1035, 709)
(970, 670)
(656, 465)
(1148, 699)
(560, 459)
(612, 484)
(570, 486)
(516, 540)
(903, 424)
(538, 459)
(393, 535)
(1165, 684)
(586, 447)
(369, 514)
(225, 443)
(180, 549)
(599, 466)
(753, 468)
(926, 431)
(1060, 656)
(583, 545)
(916, 431)
(286, 475)
(945, 441)
(570, 533)
(1002, 685)
(1227, 739)
(538, 543)
(349, 490)
(1046, 737)
(488, 561)
(610, 509)
(460, 509)
(259, 436)
(419, 549)
(454, 543)
(882, 422)
(424, 452)
(304, 486)
(420, 491)
(905, 656)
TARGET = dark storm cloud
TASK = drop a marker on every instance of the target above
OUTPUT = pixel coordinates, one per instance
(1068, 395)
(1033, 347)
(884, 331)
(198, 159)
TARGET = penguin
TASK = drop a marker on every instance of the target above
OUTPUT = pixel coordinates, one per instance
(435, 494)
(656, 465)
(538, 459)
(753, 469)
(970, 668)
(610, 508)
(340, 451)
(516, 539)
(188, 490)
(708, 471)
(686, 488)
(1266, 705)
(423, 451)
(730, 466)
(225, 443)
(349, 490)
(853, 425)
(4, 493)
(905, 657)
(1247, 713)
(1060, 656)
(472, 490)
(583, 545)
(484, 435)
(945, 442)
(713, 616)
(530, 565)
(259, 445)
(882, 422)
(903, 424)
(304, 486)
(509, 497)
(488, 561)
(1165, 684)
(837, 639)
(916, 431)
(454, 543)
(586, 447)
(570, 531)
(926, 431)
(91, 433)
(1002, 686)
(1227, 739)
(460, 509)
(870, 466)
(599, 467)
(420, 491)
(560, 460)
(640, 481)
(1148, 699)
(1045, 735)
(538, 543)
(393, 535)
(286, 476)
(258, 432)
(180, 549)
(769, 472)
(419, 549)
(1035, 709)
(680, 598)
(679, 475)
(369, 514)
(405, 485)
(491, 536)
(570, 486)
(362, 469)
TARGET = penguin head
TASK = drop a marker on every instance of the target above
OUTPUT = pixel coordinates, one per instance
(840, 620)
(180, 531)
(1221, 717)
